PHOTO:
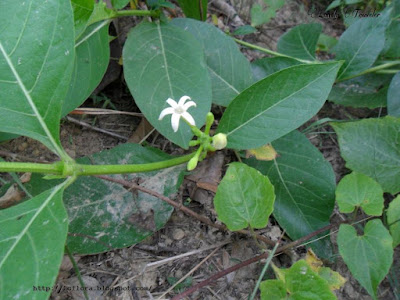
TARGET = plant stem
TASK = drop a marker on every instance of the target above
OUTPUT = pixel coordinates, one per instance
(371, 70)
(55, 168)
(58, 168)
(77, 272)
(140, 13)
(272, 52)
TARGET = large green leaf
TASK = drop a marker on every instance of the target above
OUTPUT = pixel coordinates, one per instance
(91, 61)
(229, 69)
(300, 41)
(268, 65)
(196, 9)
(304, 186)
(244, 198)
(162, 61)
(393, 96)
(361, 44)
(82, 12)
(32, 239)
(36, 60)
(369, 256)
(393, 220)
(371, 147)
(357, 190)
(299, 282)
(109, 213)
(276, 105)
(392, 44)
(119, 4)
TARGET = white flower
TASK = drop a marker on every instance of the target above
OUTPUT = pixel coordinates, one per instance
(178, 110)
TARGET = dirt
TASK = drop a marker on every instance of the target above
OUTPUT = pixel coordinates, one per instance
(146, 270)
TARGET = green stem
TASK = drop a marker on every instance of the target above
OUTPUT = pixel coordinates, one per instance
(140, 13)
(60, 168)
(387, 71)
(371, 70)
(273, 52)
(77, 272)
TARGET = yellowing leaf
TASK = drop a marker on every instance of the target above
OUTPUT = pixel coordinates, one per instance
(266, 152)
(334, 279)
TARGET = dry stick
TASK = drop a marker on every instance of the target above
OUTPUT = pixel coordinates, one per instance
(250, 261)
(180, 206)
(189, 273)
(83, 124)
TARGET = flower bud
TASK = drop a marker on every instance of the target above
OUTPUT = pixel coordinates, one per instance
(219, 141)
(192, 163)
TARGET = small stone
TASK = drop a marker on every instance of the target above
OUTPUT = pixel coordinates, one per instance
(178, 234)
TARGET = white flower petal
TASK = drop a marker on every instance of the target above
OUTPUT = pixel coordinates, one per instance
(175, 122)
(166, 111)
(172, 103)
(189, 104)
(188, 117)
(183, 100)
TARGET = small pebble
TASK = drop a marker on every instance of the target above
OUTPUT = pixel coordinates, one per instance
(178, 234)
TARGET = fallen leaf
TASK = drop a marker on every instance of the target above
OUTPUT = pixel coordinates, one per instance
(266, 152)
(11, 197)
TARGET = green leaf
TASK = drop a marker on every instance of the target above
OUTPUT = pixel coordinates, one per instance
(82, 11)
(113, 216)
(36, 60)
(393, 220)
(369, 256)
(304, 186)
(300, 41)
(195, 9)
(261, 14)
(229, 69)
(358, 190)
(268, 65)
(100, 13)
(119, 4)
(370, 147)
(369, 90)
(244, 198)
(361, 44)
(299, 282)
(392, 44)
(91, 62)
(32, 244)
(162, 61)
(245, 29)
(336, 3)
(393, 96)
(278, 104)
(326, 42)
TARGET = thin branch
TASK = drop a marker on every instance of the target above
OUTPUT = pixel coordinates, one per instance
(181, 207)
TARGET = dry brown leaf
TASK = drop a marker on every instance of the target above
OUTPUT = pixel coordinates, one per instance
(11, 197)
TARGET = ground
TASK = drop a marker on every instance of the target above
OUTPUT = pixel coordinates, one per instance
(185, 244)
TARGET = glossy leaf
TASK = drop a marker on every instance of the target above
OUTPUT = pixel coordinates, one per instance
(244, 198)
(393, 96)
(300, 41)
(298, 282)
(277, 104)
(393, 220)
(268, 65)
(112, 215)
(162, 61)
(91, 61)
(358, 190)
(82, 12)
(36, 65)
(229, 69)
(32, 239)
(370, 147)
(368, 256)
(361, 44)
(304, 186)
(195, 9)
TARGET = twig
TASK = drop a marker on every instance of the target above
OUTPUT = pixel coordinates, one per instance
(250, 261)
(102, 111)
(190, 272)
(83, 124)
(181, 207)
